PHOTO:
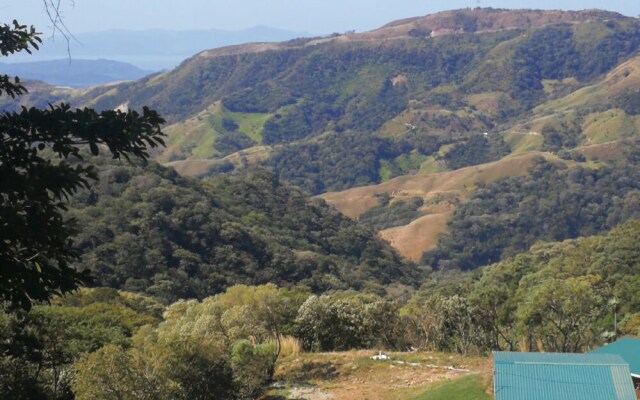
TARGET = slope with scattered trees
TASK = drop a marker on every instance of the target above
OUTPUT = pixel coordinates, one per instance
(481, 71)
(552, 203)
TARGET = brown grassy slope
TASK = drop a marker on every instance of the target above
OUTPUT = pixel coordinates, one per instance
(201, 167)
(414, 239)
(420, 235)
(442, 23)
(493, 19)
(623, 77)
(487, 20)
(356, 201)
(603, 152)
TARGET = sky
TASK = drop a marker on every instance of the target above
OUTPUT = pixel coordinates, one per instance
(312, 16)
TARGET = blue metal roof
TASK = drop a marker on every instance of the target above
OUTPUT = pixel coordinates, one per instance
(561, 376)
(628, 348)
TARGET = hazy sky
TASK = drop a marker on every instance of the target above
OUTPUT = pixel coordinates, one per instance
(313, 16)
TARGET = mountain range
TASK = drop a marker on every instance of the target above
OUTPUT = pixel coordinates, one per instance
(463, 182)
(75, 73)
(403, 127)
(152, 49)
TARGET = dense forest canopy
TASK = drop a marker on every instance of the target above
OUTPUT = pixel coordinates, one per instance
(147, 229)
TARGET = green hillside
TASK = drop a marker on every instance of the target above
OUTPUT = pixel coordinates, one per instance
(416, 97)
(416, 93)
(402, 92)
(552, 203)
(150, 230)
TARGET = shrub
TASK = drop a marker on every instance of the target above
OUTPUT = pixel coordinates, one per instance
(252, 367)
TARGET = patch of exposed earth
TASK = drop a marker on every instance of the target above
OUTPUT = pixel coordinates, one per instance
(354, 375)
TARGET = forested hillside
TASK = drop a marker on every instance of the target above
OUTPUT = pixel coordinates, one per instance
(561, 296)
(400, 100)
(564, 296)
(552, 203)
(414, 95)
(417, 97)
(146, 229)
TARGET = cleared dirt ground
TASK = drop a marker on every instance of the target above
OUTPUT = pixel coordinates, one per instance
(354, 375)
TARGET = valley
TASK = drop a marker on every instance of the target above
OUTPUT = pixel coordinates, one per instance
(416, 115)
(432, 190)
(441, 193)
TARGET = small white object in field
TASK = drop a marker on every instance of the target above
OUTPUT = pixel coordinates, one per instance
(380, 356)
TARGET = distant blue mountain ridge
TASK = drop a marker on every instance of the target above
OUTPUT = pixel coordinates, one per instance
(152, 50)
(74, 73)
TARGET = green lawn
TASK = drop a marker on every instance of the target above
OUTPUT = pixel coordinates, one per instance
(468, 387)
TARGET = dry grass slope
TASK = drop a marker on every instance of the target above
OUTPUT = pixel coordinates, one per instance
(623, 77)
(603, 152)
(420, 235)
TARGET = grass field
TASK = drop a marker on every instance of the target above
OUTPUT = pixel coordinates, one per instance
(195, 138)
(469, 387)
(413, 239)
(523, 142)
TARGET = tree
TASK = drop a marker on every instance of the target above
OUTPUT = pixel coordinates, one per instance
(113, 373)
(36, 177)
(260, 311)
(39, 348)
(560, 314)
(252, 367)
(344, 321)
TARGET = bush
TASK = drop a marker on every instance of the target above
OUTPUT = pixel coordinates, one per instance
(252, 367)
(344, 321)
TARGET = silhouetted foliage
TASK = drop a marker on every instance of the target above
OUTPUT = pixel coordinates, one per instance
(36, 251)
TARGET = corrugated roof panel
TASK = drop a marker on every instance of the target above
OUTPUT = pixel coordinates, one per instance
(556, 376)
(628, 348)
(558, 358)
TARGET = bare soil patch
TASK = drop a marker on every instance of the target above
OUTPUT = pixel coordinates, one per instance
(356, 376)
